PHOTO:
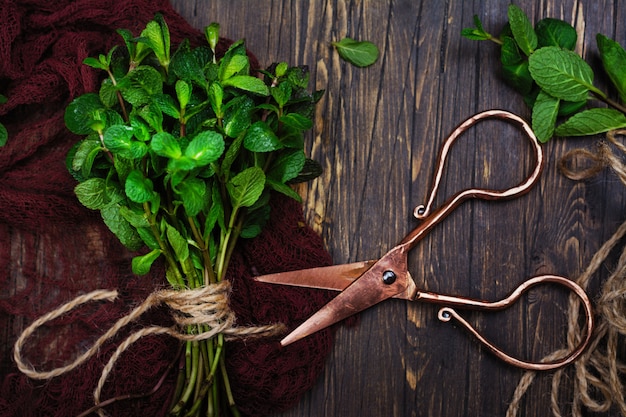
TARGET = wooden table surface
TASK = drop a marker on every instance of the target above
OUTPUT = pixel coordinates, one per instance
(377, 133)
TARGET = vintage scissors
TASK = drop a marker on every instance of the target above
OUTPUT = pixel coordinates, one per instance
(364, 284)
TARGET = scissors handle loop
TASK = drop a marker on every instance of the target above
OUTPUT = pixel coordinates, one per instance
(422, 211)
(447, 313)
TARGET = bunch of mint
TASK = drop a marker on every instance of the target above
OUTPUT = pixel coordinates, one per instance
(555, 81)
(181, 152)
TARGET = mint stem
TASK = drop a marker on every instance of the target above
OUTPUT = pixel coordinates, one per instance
(209, 274)
(610, 102)
(193, 375)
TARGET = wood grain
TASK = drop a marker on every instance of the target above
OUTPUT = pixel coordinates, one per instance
(377, 133)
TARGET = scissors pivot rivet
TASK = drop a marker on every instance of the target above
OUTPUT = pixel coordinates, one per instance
(419, 211)
(389, 277)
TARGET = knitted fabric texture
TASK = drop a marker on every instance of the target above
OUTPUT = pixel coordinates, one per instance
(52, 249)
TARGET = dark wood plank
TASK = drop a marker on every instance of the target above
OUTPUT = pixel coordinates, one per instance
(377, 133)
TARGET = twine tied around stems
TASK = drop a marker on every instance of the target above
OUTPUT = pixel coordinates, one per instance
(598, 373)
(205, 306)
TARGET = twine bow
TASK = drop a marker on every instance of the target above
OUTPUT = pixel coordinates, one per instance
(205, 306)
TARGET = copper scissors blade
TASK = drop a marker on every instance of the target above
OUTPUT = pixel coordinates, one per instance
(334, 277)
(364, 284)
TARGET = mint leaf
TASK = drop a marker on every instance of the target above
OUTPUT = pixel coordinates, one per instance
(216, 212)
(203, 57)
(153, 115)
(562, 74)
(167, 105)
(212, 33)
(545, 111)
(144, 82)
(518, 76)
(193, 193)
(92, 193)
(567, 108)
(109, 117)
(128, 38)
(96, 63)
(138, 188)
(281, 93)
(522, 30)
(281, 69)
(186, 67)
(85, 156)
(235, 49)
(183, 93)
(591, 122)
(120, 227)
(177, 242)
(311, 169)
(108, 93)
(247, 83)
(165, 144)
(123, 167)
(81, 112)
(476, 33)
(555, 32)
(515, 66)
(141, 264)
(510, 53)
(238, 64)
(148, 238)
(296, 121)
(141, 130)
(614, 62)
(231, 154)
(216, 98)
(287, 166)
(299, 76)
(119, 140)
(180, 164)
(358, 53)
(257, 216)
(283, 189)
(253, 226)
(246, 187)
(238, 115)
(206, 147)
(261, 138)
(156, 36)
(137, 218)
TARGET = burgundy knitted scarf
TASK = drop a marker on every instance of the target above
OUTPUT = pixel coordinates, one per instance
(52, 249)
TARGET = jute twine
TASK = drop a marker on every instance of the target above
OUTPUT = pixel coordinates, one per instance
(598, 373)
(205, 307)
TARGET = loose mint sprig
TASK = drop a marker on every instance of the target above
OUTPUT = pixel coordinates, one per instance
(358, 53)
(539, 63)
(181, 152)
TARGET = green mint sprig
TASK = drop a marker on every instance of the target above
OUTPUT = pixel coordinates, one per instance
(181, 151)
(358, 53)
(539, 63)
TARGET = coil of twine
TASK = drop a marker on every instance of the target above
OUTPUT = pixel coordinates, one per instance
(599, 372)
